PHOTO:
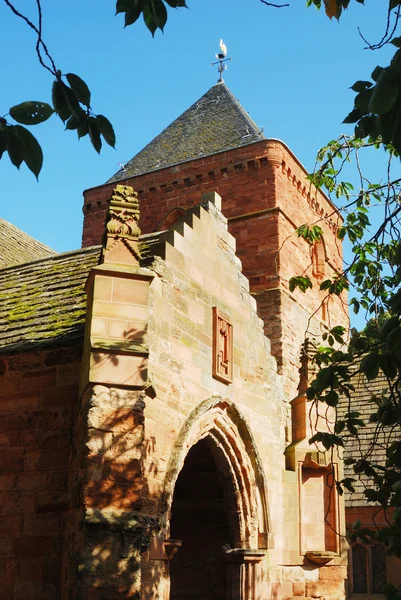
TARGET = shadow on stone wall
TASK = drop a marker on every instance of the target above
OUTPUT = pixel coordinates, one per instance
(113, 514)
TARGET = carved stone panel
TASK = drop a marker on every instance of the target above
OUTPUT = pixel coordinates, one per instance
(222, 346)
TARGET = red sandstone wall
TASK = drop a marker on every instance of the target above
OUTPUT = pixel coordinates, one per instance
(38, 393)
(265, 196)
(240, 176)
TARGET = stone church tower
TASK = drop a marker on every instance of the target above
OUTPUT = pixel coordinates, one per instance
(151, 450)
(216, 146)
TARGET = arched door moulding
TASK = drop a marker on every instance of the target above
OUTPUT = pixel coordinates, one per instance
(235, 452)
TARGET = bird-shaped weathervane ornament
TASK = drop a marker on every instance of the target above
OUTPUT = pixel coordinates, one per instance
(221, 60)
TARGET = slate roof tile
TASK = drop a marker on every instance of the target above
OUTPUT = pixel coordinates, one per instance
(17, 247)
(371, 439)
(43, 303)
(214, 123)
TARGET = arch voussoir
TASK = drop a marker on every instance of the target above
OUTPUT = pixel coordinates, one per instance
(231, 442)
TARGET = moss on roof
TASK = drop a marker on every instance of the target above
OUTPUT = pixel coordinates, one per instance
(43, 303)
(17, 247)
(214, 123)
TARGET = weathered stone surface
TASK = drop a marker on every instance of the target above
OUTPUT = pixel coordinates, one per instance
(325, 589)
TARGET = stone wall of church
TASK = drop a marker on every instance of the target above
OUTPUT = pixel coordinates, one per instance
(187, 401)
(265, 196)
(38, 399)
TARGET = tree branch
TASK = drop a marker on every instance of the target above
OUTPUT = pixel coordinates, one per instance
(274, 5)
(38, 30)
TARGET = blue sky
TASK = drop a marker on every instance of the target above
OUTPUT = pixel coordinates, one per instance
(291, 69)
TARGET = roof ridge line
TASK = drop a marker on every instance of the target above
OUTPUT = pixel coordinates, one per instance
(214, 123)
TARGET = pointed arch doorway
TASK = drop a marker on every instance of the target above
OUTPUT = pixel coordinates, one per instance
(203, 518)
(216, 504)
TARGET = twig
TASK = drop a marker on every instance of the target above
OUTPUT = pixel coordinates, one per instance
(38, 31)
(387, 36)
(274, 5)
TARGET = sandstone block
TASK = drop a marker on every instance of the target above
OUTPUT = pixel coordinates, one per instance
(326, 589)
(298, 588)
(32, 546)
(300, 574)
(11, 461)
(10, 524)
(38, 524)
(68, 375)
(334, 573)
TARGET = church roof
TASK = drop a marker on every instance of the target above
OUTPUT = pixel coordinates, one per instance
(18, 247)
(214, 123)
(371, 441)
(43, 303)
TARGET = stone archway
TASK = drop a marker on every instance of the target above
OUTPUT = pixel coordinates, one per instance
(203, 518)
(233, 463)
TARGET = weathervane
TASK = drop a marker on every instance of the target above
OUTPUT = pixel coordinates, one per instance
(221, 56)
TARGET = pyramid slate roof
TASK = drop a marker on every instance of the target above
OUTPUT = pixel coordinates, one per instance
(43, 303)
(214, 123)
(17, 247)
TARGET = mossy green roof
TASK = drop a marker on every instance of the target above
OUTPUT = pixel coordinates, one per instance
(214, 123)
(17, 247)
(43, 303)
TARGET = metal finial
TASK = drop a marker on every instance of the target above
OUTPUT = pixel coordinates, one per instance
(221, 60)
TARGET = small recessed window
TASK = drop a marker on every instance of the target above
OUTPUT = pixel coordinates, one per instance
(369, 568)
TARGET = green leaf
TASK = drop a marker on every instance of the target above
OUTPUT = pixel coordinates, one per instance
(106, 129)
(393, 341)
(15, 147)
(396, 137)
(385, 92)
(71, 100)
(370, 366)
(353, 116)
(60, 103)
(176, 3)
(83, 130)
(132, 15)
(79, 88)
(362, 101)
(396, 42)
(303, 283)
(124, 5)
(360, 86)
(339, 427)
(160, 13)
(154, 15)
(73, 122)
(3, 143)
(94, 135)
(32, 152)
(376, 72)
(331, 398)
(386, 125)
(31, 113)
